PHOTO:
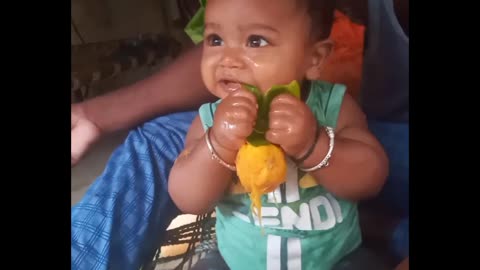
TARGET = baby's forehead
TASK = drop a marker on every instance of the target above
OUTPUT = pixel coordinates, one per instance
(275, 13)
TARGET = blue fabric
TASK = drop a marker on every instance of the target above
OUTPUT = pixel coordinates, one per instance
(385, 79)
(401, 239)
(385, 98)
(395, 139)
(395, 194)
(119, 222)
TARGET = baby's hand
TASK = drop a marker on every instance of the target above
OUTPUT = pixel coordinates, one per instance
(291, 125)
(235, 119)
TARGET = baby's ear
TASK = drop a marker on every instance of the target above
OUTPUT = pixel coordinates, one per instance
(321, 50)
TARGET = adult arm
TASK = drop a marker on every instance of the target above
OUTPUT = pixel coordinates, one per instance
(178, 87)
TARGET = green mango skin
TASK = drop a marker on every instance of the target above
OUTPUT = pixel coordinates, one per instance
(257, 137)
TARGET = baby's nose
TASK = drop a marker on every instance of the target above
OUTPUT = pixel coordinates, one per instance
(232, 59)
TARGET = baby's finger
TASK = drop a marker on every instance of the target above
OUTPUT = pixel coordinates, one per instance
(244, 103)
(246, 94)
(285, 99)
(282, 110)
(274, 136)
(241, 113)
(244, 129)
(280, 123)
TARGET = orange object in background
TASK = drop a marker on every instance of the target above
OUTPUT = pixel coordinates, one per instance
(345, 63)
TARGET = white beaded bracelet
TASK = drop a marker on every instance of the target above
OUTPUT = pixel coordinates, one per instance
(324, 162)
(214, 154)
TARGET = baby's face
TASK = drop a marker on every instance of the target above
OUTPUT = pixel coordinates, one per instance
(258, 42)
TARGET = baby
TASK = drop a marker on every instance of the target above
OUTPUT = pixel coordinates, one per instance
(311, 220)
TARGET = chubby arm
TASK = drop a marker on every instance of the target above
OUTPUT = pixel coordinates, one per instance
(196, 180)
(358, 166)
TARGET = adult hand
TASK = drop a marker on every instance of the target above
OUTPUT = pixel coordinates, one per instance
(84, 133)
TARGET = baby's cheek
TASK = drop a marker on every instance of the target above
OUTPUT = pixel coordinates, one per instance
(208, 75)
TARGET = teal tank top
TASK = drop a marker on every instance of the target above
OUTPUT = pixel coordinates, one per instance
(304, 226)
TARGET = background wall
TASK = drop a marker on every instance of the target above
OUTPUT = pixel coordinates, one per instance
(103, 20)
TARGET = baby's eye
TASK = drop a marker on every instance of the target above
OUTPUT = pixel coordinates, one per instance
(214, 40)
(255, 41)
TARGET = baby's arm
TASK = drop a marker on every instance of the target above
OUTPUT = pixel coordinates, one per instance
(359, 166)
(197, 181)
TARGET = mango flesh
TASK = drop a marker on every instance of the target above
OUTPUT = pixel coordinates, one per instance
(260, 169)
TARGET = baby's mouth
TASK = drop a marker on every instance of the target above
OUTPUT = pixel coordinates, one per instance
(230, 85)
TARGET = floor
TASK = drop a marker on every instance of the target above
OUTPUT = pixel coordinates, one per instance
(92, 165)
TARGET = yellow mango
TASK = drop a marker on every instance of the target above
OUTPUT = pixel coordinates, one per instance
(260, 169)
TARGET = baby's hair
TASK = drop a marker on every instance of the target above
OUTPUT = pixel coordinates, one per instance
(322, 15)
